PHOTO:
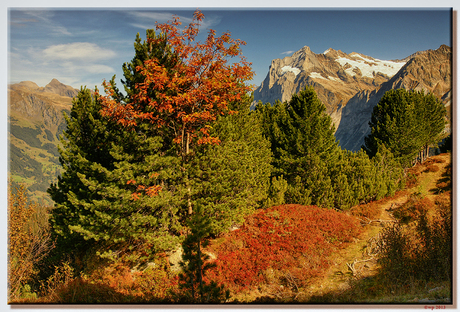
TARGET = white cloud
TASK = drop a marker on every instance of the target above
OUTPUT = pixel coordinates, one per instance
(288, 52)
(99, 69)
(77, 51)
(158, 17)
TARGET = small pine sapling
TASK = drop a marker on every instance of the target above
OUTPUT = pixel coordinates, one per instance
(195, 263)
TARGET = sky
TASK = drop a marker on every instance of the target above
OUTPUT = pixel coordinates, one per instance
(82, 47)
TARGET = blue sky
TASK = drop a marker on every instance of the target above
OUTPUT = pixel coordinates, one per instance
(84, 46)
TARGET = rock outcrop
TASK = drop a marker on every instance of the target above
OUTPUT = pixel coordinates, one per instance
(40, 105)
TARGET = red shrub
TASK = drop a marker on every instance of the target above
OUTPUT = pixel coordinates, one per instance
(288, 239)
(370, 210)
(120, 283)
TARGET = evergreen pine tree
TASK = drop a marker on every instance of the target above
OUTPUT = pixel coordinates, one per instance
(407, 123)
(304, 147)
(195, 264)
(104, 197)
(86, 140)
(231, 180)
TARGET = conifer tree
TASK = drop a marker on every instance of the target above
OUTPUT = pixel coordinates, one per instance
(231, 179)
(304, 147)
(86, 140)
(407, 123)
(195, 263)
(104, 197)
(310, 167)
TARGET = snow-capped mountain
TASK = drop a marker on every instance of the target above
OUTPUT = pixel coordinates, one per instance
(353, 83)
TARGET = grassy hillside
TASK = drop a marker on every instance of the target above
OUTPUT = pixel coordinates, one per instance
(33, 158)
(302, 255)
(35, 121)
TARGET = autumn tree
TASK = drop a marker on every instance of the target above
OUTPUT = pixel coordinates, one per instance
(407, 123)
(29, 241)
(188, 94)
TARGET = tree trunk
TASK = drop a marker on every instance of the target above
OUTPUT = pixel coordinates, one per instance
(199, 266)
(187, 182)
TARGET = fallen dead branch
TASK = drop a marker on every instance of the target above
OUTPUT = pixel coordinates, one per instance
(351, 266)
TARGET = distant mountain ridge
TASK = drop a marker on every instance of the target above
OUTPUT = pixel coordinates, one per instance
(350, 85)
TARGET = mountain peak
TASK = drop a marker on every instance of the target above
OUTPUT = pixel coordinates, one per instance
(55, 86)
(336, 75)
(54, 81)
(29, 85)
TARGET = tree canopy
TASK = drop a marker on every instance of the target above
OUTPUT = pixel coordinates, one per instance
(407, 123)
(187, 93)
(310, 167)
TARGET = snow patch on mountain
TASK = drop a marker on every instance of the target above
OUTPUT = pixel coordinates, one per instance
(319, 76)
(316, 75)
(368, 66)
(288, 68)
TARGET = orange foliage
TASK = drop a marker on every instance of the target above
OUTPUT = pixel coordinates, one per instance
(191, 92)
(413, 209)
(370, 210)
(431, 168)
(117, 283)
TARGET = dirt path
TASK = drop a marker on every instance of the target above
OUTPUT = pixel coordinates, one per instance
(356, 262)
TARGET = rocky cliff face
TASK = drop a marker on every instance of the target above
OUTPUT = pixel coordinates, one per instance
(350, 85)
(336, 76)
(37, 104)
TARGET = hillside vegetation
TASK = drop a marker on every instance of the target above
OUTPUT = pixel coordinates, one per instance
(300, 254)
(35, 122)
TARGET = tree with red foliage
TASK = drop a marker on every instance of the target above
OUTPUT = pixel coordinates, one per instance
(188, 94)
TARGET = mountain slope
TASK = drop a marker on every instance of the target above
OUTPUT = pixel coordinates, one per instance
(428, 71)
(35, 121)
